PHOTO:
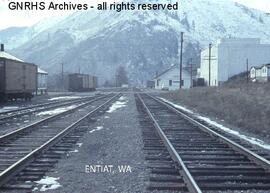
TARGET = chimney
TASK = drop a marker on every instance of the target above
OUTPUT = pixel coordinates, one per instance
(2, 48)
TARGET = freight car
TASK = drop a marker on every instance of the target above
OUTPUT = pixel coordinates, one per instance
(81, 82)
(18, 79)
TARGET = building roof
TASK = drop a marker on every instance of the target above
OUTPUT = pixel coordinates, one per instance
(40, 71)
(260, 67)
(256, 67)
(240, 40)
(165, 71)
(171, 68)
(9, 56)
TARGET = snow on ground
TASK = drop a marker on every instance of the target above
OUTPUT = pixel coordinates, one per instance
(252, 140)
(56, 111)
(79, 144)
(48, 183)
(74, 151)
(8, 108)
(122, 101)
(97, 129)
(64, 98)
(177, 106)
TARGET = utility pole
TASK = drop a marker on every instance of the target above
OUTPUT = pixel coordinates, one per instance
(191, 73)
(181, 59)
(62, 74)
(209, 58)
(247, 71)
(210, 47)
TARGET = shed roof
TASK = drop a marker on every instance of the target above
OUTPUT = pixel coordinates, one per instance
(9, 56)
(165, 71)
(171, 68)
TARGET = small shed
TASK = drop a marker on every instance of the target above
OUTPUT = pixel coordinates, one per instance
(42, 81)
(170, 79)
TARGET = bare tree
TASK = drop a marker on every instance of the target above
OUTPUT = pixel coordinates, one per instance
(108, 83)
(121, 76)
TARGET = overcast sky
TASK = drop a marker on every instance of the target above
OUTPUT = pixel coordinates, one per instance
(27, 18)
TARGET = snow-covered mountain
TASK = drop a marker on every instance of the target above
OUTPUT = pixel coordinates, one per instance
(143, 41)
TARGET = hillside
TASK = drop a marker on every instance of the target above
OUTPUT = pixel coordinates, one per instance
(144, 42)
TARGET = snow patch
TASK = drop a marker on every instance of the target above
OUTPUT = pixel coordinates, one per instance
(64, 98)
(79, 144)
(48, 183)
(160, 28)
(177, 106)
(56, 111)
(97, 129)
(74, 151)
(252, 140)
(122, 101)
(8, 108)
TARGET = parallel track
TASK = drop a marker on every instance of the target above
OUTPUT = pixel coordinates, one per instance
(202, 158)
(39, 107)
(22, 146)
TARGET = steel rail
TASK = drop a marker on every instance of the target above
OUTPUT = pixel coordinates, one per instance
(55, 105)
(188, 178)
(14, 169)
(27, 127)
(36, 105)
(257, 159)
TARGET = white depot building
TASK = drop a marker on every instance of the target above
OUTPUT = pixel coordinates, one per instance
(229, 58)
(170, 79)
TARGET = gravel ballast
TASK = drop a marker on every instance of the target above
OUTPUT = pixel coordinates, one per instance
(113, 140)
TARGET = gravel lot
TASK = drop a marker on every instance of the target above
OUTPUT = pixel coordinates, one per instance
(114, 139)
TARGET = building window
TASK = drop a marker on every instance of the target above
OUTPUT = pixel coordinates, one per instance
(158, 82)
(170, 82)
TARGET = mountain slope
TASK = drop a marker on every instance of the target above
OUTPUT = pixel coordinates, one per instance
(144, 42)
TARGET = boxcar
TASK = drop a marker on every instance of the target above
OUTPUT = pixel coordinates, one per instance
(81, 82)
(17, 79)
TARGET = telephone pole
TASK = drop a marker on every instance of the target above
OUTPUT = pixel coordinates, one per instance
(247, 75)
(191, 73)
(210, 47)
(247, 71)
(62, 74)
(181, 59)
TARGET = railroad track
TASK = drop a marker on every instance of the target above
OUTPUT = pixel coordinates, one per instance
(186, 155)
(26, 148)
(38, 108)
(24, 117)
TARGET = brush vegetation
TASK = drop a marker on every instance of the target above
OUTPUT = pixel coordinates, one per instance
(239, 104)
